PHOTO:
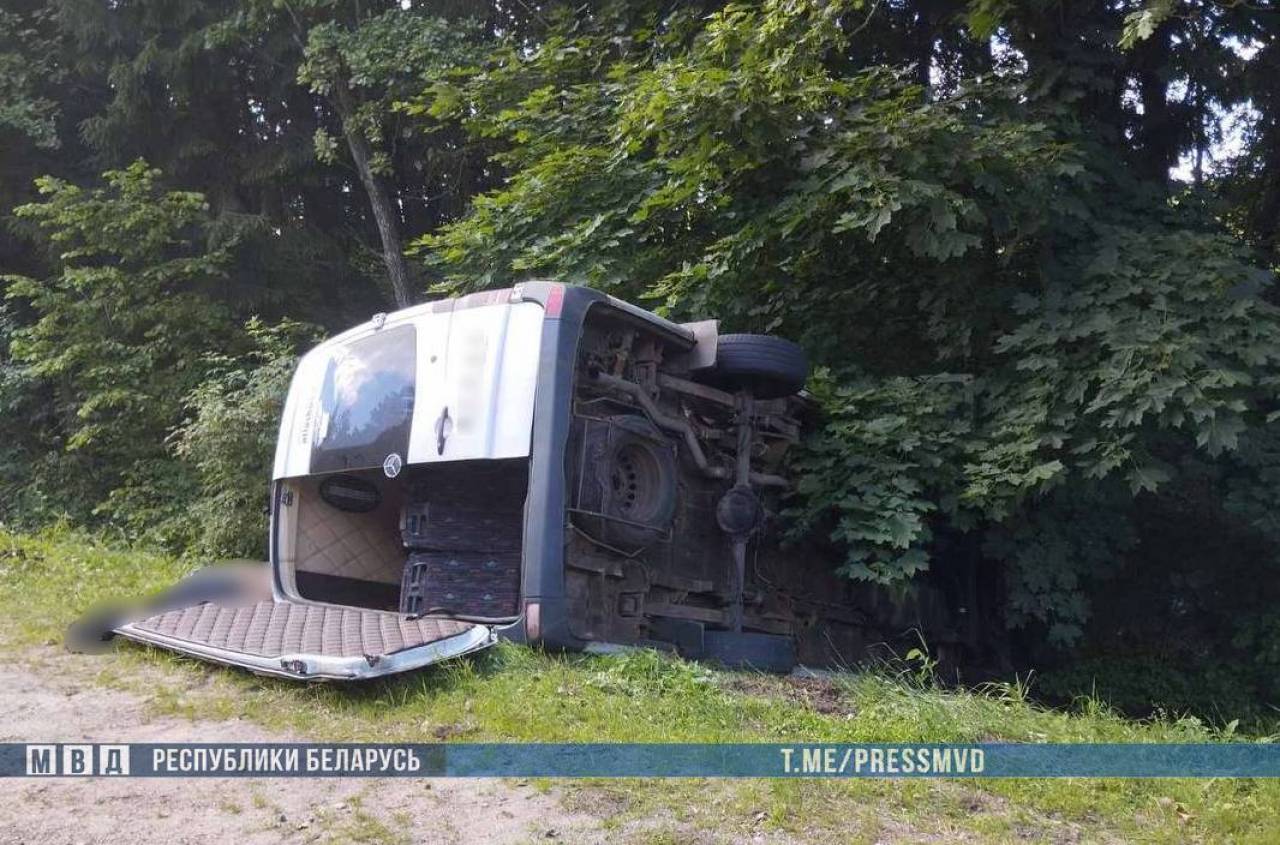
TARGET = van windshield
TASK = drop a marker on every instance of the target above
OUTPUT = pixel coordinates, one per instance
(366, 402)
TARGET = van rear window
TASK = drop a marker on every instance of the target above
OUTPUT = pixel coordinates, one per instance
(366, 402)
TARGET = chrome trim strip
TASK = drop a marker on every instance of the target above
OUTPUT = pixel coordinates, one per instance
(323, 666)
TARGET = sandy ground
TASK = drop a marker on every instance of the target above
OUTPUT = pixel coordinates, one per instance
(48, 704)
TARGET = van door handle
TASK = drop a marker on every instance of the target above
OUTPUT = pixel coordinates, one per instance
(443, 426)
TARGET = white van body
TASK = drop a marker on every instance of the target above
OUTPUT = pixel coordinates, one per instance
(478, 364)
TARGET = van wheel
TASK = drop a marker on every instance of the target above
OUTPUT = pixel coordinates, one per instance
(769, 367)
(628, 473)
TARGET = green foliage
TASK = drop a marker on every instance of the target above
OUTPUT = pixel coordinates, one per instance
(1072, 539)
(230, 436)
(1150, 327)
(1257, 638)
(122, 330)
(647, 673)
(384, 53)
(722, 178)
(1142, 23)
(874, 474)
(1144, 686)
(26, 466)
(28, 67)
(144, 364)
(366, 69)
(55, 577)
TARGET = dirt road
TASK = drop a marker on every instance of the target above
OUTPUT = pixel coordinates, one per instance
(44, 698)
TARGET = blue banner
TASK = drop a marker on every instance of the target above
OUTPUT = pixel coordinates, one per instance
(663, 760)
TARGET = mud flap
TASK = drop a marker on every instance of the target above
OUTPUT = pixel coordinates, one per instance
(234, 620)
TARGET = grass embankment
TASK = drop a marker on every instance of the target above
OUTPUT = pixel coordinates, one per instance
(512, 693)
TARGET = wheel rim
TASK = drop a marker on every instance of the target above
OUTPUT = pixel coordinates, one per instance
(634, 482)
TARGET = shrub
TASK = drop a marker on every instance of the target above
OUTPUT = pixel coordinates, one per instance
(230, 436)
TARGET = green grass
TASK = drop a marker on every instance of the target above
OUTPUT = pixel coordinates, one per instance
(515, 693)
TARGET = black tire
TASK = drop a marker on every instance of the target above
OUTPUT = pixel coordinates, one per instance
(628, 473)
(767, 366)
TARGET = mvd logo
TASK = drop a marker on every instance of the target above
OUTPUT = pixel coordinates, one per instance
(77, 760)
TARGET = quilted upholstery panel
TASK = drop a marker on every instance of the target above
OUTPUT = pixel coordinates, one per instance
(275, 629)
(353, 545)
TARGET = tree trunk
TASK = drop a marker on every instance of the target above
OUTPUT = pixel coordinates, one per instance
(1159, 132)
(1266, 212)
(384, 212)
